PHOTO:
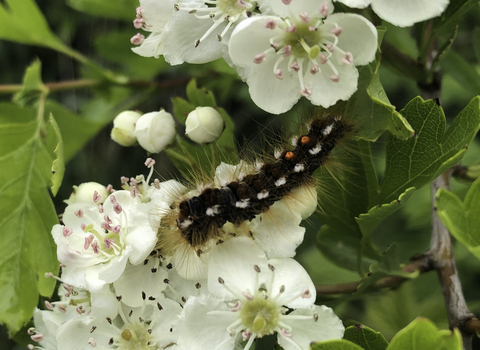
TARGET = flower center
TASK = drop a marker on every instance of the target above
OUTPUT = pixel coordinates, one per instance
(260, 315)
(303, 36)
(136, 337)
(232, 7)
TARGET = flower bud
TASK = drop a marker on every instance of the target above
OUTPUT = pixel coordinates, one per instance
(124, 128)
(155, 131)
(204, 125)
(85, 193)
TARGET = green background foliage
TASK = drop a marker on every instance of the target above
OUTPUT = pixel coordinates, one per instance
(374, 200)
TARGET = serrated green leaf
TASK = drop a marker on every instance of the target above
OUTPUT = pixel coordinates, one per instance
(370, 109)
(27, 251)
(199, 97)
(422, 334)
(337, 344)
(32, 85)
(118, 9)
(181, 108)
(462, 219)
(415, 162)
(368, 222)
(76, 131)
(365, 337)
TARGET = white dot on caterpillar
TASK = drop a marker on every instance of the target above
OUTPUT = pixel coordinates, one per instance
(258, 165)
(298, 168)
(185, 223)
(294, 141)
(212, 211)
(328, 130)
(281, 181)
(242, 204)
(277, 153)
(316, 149)
(262, 195)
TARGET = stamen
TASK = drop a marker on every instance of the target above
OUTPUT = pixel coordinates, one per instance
(118, 208)
(291, 29)
(335, 78)
(324, 9)
(96, 197)
(247, 295)
(304, 17)
(79, 213)
(305, 293)
(237, 306)
(287, 2)
(137, 39)
(258, 58)
(138, 23)
(348, 59)
(337, 31)
(270, 24)
(67, 231)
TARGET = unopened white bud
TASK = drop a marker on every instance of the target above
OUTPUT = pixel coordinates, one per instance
(85, 193)
(155, 131)
(204, 125)
(123, 131)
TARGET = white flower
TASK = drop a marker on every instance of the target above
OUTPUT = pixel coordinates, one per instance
(250, 296)
(197, 33)
(148, 327)
(302, 55)
(124, 128)
(155, 131)
(88, 192)
(96, 242)
(204, 125)
(402, 13)
(152, 16)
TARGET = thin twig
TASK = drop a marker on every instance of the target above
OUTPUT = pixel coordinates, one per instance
(420, 264)
(440, 255)
(86, 83)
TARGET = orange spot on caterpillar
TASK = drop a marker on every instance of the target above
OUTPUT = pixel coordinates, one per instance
(289, 155)
(304, 140)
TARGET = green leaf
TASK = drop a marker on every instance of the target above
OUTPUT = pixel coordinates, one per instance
(342, 197)
(369, 108)
(454, 13)
(27, 251)
(462, 71)
(58, 164)
(365, 337)
(23, 22)
(337, 344)
(415, 162)
(422, 334)
(199, 96)
(368, 222)
(181, 108)
(76, 131)
(226, 142)
(32, 85)
(118, 9)
(462, 219)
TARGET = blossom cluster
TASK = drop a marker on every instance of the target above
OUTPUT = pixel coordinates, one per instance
(118, 292)
(283, 49)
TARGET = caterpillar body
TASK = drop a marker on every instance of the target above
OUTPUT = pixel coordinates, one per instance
(194, 222)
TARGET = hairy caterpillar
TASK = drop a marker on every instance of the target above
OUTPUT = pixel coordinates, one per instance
(198, 220)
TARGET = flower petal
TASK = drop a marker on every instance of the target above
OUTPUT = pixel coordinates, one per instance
(182, 32)
(305, 331)
(156, 13)
(359, 36)
(251, 38)
(359, 4)
(233, 261)
(278, 231)
(295, 280)
(201, 331)
(295, 7)
(152, 46)
(325, 92)
(104, 303)
(144, 278)
(404, 13)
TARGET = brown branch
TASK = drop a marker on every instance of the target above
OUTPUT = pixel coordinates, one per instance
(85, 83)
(440, 255)
(420, 264)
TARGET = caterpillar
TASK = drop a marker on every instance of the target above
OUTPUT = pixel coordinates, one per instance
(195, 221)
